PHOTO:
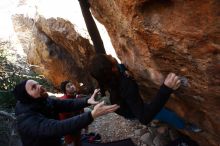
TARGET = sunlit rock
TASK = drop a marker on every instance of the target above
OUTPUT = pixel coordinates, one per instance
(55, 50)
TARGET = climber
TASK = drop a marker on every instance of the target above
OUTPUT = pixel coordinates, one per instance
(37, 115)
(124, 92)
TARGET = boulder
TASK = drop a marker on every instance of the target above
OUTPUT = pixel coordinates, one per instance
(55, 50)
(155, 37)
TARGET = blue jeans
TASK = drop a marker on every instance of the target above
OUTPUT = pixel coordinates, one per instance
(171, 118)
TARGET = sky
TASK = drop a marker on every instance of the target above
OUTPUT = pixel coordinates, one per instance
(67, 9)
(6, 9)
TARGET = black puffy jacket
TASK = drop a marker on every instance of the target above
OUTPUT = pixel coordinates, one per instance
(38, 123)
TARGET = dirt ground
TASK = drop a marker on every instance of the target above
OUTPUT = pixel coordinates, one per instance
(114, 127)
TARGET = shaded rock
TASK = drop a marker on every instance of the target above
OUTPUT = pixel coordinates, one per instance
(155, 37)
(160, 141)
(147, 138)
(140, 132)
(162, 130)
(152, 131)
(173, 134)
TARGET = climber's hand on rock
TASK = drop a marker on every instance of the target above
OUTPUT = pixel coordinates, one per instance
(172, 81)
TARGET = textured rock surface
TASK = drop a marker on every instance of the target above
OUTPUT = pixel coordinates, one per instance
(55, 49)
(154, 37)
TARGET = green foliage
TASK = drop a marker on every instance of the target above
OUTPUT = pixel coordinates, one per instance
(12, 74)
(6, 99)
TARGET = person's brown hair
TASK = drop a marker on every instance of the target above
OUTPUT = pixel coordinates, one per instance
(63, 86)
(100, 68)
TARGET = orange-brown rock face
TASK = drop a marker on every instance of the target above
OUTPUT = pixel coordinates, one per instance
(155, 37)
(55, 50)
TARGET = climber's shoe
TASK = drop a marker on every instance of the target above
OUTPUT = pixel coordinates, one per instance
(193, 128)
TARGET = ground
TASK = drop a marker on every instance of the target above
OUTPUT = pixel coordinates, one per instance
(113, 127)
